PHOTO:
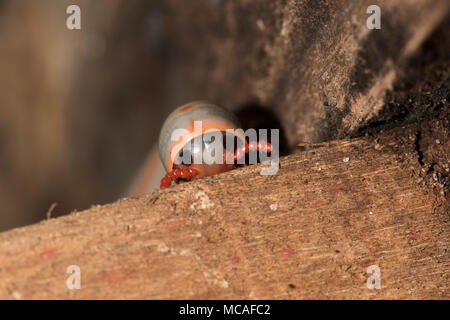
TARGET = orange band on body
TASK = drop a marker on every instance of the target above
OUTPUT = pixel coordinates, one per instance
(207, 126)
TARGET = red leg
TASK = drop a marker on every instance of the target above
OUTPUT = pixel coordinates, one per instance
(183, 172)
(252, 146)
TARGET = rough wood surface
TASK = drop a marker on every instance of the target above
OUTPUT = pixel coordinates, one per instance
(310, 231)
(314, 63)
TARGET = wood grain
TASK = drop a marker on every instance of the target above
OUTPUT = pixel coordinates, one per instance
(309, 231)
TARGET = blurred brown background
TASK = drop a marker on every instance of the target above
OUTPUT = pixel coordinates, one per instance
(80, 109)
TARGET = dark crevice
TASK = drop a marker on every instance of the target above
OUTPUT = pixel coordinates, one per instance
(255, 116)
(417, 148)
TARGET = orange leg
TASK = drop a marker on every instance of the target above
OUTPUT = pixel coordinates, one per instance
(183, 172)
(252, 146)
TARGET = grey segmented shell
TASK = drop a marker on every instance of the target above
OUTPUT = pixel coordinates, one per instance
(184, 116)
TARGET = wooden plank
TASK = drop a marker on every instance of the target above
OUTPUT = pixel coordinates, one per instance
(310, 231)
